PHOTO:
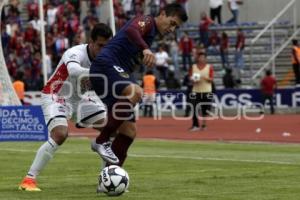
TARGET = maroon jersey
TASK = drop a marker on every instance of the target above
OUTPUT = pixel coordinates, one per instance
(268, 85)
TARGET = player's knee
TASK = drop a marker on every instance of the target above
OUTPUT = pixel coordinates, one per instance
(134, 93)
(129, 133)
(59, 134)
(139, 93)
(99, 124)
(129, 129)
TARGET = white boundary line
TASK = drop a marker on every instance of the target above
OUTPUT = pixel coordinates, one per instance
(213, 159)
(168, 156)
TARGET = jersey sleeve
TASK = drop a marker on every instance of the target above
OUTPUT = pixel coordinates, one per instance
(211, 72)
(72, 59)
(294, 52)
(138, 28)
(191, 69)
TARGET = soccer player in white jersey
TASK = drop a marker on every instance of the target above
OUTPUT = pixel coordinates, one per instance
(62, 101)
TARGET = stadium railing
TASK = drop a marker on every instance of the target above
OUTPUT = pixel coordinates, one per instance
(274, 51)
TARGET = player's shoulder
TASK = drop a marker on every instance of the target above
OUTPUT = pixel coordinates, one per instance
(165, 54)
(77, 49)
(75, 53)
(143, 19)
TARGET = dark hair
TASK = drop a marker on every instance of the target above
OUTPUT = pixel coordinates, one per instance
(149, 72)
(268, 72)
(295, 42)
(19, 75)
(161, 46)
(228, 70)
(224, 35)
(101, 30)
(175, 9)
(201, 53)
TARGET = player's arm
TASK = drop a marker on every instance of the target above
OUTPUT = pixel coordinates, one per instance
(73, 63)
(229, 4)
(76, 70)
(211, 75)
(139, 27)
(295, 56)
(190, 74)
(195, 77)
(262, 83)
(157, 83)
(82, 74)
(240, 2)
(275, 84)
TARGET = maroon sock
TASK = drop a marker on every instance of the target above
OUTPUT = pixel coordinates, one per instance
(121, 110)
(120, 147)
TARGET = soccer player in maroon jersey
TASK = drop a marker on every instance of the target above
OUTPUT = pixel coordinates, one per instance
(268, 85)
(112, 79)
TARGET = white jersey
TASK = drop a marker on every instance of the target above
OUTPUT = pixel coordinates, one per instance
(233, 4)
(74, 63)
(215, 3)
(61, 99)
(162, 58)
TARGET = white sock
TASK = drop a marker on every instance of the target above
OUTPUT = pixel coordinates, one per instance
(42, 157)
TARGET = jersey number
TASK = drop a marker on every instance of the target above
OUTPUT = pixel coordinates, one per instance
(118, 69)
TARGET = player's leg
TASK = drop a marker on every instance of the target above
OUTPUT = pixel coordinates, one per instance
(195, 103)
(272, 109)
(118, 91)
(43, 156)
(91, 112)
(56, 119)
(206, 99)
(146, 104)
(152, 104)
(121, 144)
(120, 109)
(124, 139)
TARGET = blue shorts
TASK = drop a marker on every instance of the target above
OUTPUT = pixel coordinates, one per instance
(109, 80)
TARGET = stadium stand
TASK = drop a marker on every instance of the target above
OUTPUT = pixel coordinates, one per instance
(262, 49)
(67, 26)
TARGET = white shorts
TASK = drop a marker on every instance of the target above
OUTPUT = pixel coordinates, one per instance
(149, 99)
(84, 112)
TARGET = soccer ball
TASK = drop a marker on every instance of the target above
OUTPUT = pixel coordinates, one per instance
(113, 180)
(196, 77)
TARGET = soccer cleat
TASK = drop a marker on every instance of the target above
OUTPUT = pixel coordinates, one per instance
(194, 128)
(29, 184)
(203, 127)
(105, 151)
(100, 189)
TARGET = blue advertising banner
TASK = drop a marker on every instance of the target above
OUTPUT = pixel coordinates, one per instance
(231, 98)
(22, 123)
(283, 98)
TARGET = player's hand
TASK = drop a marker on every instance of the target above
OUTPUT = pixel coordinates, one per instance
(85, 84)
(149, 58)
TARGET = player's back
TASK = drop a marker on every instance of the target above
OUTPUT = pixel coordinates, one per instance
(121, 50)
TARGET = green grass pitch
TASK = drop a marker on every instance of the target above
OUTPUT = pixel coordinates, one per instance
(161, 170)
